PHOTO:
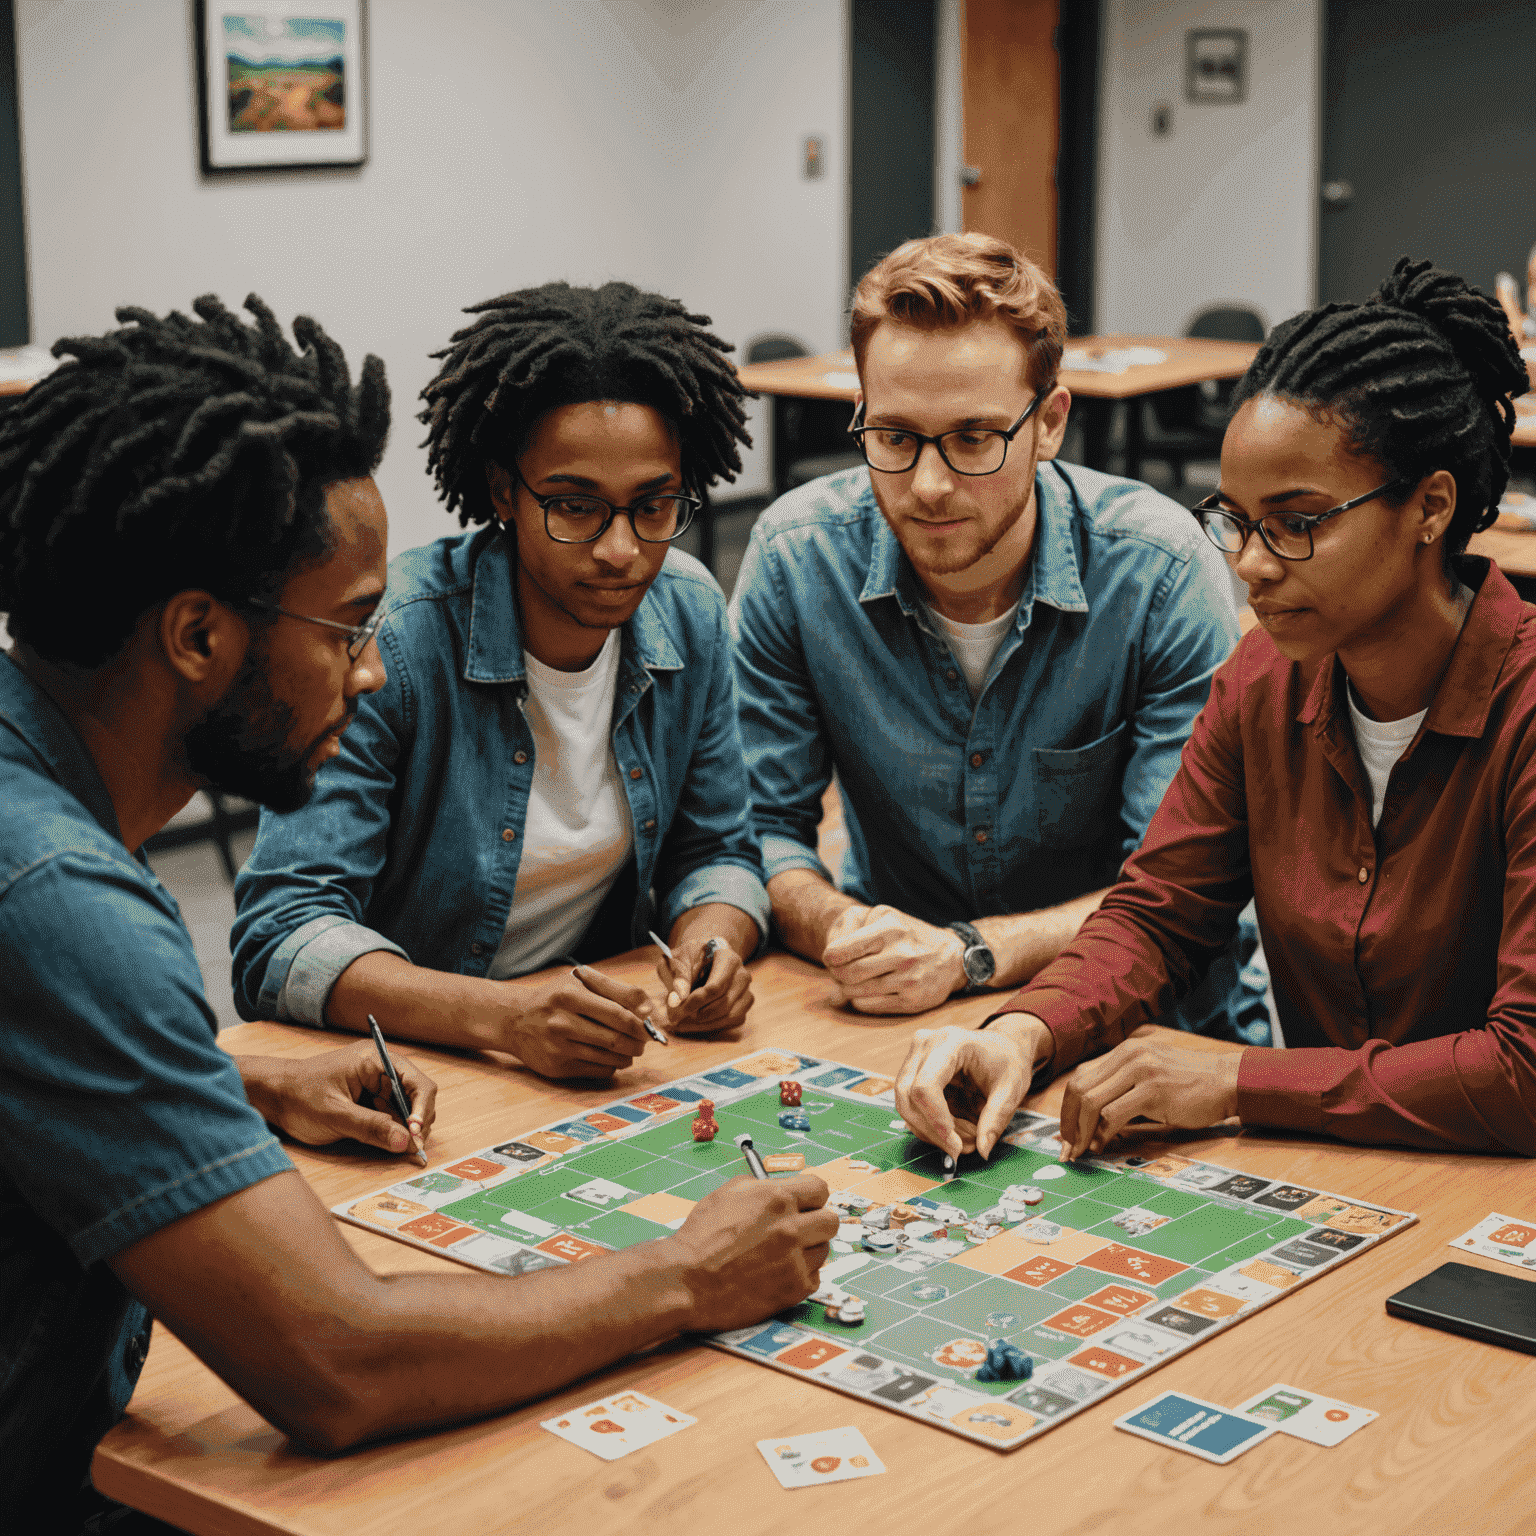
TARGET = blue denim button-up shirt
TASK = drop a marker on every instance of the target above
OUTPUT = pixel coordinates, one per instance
(119, 1114)
(1037, 791)
(412, 839)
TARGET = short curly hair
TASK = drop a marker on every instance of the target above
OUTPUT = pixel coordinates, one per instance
(540, 348)
(950, 280)
(171, 455)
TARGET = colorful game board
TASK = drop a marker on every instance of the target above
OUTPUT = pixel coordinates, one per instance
(1119, 1266)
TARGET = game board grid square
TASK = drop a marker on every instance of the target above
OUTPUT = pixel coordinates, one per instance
(969, 1310)
(886, 1279)
(1047, 1343)
(1170, 1202)
(971, 1198)
(619, 1229)
(703, 1184)
(880, 1313)
(1201, 1234)
(615, 1162)
(1076, 1284)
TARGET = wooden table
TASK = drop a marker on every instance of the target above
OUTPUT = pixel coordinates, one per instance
(1449, 1453)
(1190, 360)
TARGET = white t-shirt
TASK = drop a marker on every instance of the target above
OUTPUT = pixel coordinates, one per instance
(974, 645)
(577, 834)
(1381, 743)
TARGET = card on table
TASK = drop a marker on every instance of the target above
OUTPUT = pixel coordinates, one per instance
(614, 1426)
(1505, 1238)
(1307, 1415)
(1190, 1424)
(833, 1455)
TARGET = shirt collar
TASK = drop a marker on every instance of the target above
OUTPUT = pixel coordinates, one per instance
(1464, 696)
(495, 650)
(28, 712)
(1053, 576)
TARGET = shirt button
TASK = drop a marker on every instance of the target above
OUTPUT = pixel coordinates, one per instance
(519, 758)
(1365, 875)
(977, 759)
(477, 948)
(508, 835)
(981, 837)
(634, 687)
(634, 773)
(952, 675)
(649, 826)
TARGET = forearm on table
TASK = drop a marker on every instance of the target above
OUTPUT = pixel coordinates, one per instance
(717, 919)
(263, 1080)
(1025, 942)
(805, 905)
(414, 1003)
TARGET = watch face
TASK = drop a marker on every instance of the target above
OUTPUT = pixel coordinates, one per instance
(979, 964)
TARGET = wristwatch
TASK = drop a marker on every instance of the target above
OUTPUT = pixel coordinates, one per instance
(977, 959)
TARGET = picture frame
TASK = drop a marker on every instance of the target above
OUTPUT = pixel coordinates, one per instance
(1216, 65)
(282, 84)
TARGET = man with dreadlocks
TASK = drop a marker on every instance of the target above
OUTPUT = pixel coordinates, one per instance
(1364, 769)
(554, 765)
(192, 562)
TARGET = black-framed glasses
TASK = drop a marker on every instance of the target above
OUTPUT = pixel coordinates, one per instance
(358, 635)
(1287, 535)
(585, 519)
(967, 450)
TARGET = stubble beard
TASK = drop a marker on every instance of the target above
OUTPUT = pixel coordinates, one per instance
(962, 561)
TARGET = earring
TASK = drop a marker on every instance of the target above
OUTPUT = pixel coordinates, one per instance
(1429, 538)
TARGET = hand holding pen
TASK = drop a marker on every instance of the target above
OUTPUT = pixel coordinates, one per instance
(708, 987)
(410, 1117)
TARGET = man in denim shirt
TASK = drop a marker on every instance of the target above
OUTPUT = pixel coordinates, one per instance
(999, 655)
(192, 561)
(554, 764)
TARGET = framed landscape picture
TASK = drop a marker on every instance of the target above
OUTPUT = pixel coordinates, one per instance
(281, 83)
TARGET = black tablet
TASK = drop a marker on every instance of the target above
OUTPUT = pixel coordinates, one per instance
(1480, 1303)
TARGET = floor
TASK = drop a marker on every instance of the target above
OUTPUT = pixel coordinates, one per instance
(196, 878)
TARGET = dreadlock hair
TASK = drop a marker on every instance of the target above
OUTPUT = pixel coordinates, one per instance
(1420, 375)
(172, 455)
(540, 348)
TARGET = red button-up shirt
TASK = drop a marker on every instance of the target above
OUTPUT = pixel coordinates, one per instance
(1401, 956)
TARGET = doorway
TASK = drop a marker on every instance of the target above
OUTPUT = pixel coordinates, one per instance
(1428, 140)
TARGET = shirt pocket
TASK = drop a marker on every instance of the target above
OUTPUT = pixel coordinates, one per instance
(1077, 791)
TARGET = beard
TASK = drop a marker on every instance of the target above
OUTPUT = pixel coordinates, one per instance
(945, 560)
(240, 747)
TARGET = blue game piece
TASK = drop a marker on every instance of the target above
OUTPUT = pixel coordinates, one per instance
(794, 1120)
(1005, 1362)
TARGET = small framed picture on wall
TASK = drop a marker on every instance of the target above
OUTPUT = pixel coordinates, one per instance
(281, 83)
(1216, 65)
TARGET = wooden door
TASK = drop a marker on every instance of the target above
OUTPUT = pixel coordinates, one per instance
(1012, 109)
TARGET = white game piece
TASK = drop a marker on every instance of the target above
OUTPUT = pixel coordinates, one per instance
(1051, 1171)
(898, 1125)
(879, 1216)
(876, 1241)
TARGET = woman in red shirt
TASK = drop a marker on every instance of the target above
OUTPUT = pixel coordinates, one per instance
(1365, 770)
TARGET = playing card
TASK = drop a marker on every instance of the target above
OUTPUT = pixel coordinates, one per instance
(614, 1426)
(1203, 1429)
(1505, 1238)
(1322, 1420)
(803, 1461)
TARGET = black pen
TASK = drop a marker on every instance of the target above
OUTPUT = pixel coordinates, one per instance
(707, 958)
(402, 1104)
(650, 1027)
(754, 1162)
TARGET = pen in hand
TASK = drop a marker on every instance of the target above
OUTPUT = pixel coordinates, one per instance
(402, 1104)
(648, 1023)
(706, 961)
(754, 1162)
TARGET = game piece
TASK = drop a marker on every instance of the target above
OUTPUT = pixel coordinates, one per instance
(794, 1120)
(784, 1162)
(1023, 1194)
(848, 1310)
(950, 1168)
(789, 1092)
(1005, 1362)
(705, 1126)
(1092, 1304)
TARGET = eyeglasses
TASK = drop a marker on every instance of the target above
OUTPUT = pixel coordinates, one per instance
(1286, 534)
(585, 519)
(358, 635)
(967, 450)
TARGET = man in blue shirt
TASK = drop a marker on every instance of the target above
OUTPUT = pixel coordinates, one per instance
(554, 765)
(999, 655)
(192, 562)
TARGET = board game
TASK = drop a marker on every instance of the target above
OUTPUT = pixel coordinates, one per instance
(1113, 1267)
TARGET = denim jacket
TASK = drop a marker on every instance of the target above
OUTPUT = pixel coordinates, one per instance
(1024, 798)
(412, 839)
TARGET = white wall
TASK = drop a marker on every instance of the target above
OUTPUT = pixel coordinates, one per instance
(1224, 209)
(511, 142)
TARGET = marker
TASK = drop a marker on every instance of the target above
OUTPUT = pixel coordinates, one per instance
(754, 1162)
(402, 1104)
(949, 1168)
(650, 1028)
(707, 958)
